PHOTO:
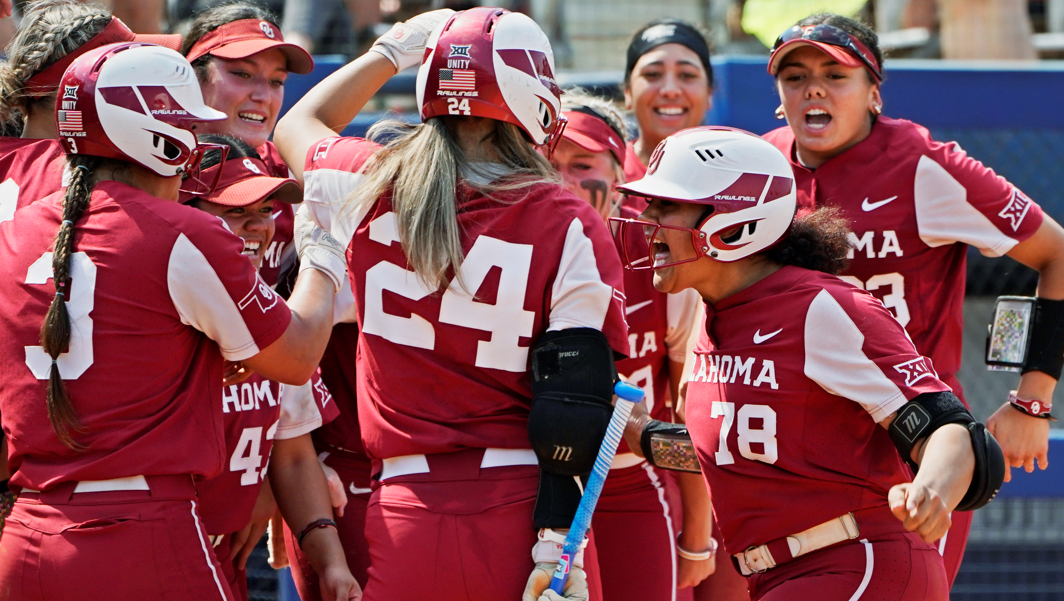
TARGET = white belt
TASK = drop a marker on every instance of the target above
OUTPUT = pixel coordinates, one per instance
(418, 464)
(625, 460)
(129, 483)
(758, 559)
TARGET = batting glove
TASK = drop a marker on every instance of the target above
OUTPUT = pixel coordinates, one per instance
(404, 44)
(546, 553)
(318, 250)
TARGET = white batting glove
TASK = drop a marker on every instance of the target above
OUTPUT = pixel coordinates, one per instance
(546, 553)
(404, 44)
(316, 249)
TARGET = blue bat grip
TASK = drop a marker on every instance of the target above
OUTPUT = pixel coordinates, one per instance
(627, 395)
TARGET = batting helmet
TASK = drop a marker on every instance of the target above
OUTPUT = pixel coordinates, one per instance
(134, 102)
(746, 183)
(489, 62)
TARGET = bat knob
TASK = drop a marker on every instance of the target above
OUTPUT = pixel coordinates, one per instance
(628, 392)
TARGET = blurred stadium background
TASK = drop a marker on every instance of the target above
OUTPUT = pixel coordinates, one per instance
(980, 72)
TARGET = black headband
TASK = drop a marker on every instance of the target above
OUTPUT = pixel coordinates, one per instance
(668, 31)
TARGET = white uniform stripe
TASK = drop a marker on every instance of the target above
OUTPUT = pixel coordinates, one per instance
(206, 552)
(942, 542)
(869, 563)
(656, 483)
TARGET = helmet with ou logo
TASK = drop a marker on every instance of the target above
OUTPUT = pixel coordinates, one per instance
(745, 182)
(134, 102)
(489, 62)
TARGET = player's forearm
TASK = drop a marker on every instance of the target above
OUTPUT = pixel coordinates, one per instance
(947, 463)
(303, 497)
(697, 512)
(330, 106)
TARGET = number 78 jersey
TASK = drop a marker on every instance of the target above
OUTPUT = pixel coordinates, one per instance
(447, 369)
(784, 399)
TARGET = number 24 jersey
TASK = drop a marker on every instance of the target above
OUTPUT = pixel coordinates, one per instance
(442, 370)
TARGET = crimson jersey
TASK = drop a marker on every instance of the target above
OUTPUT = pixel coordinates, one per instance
(29, 171)
(159, 295)
(280, 251)
(914, 204)
(783, 405)
(442, 370)
(257, 412)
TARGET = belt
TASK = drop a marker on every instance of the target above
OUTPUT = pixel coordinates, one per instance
(761, 558)
(130, 483)
(419, 464)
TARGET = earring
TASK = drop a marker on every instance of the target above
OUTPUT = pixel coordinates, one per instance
(877, 109)
(779, 112)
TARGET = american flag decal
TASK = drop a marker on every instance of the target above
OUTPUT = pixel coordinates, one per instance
(69, 121)
(458, 79)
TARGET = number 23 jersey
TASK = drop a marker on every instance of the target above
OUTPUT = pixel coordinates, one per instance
(914, 205)
(784, 399)
(442, 370)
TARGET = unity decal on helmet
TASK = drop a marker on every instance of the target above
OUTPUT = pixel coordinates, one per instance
(458, 79)
(70, 123)
(70, 92)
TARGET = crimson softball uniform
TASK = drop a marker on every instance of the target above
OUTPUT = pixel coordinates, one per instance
(280, 253)
(443, 384)
(783, 407)
(638, 501)
(159, 295)
(914, 205)
(29, 171)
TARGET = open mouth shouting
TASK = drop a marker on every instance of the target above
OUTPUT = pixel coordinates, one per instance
(816, 119)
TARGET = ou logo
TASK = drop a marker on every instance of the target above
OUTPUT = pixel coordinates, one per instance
(266, 29)
(251, 167)
(655, 159)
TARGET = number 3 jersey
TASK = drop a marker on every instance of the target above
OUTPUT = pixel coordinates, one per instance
(257, 412)
(159, 295)
(443, 370)
(913, 205)
(786, 391)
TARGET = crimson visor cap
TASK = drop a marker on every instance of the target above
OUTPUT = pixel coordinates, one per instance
(243, 38)
(245, 181)
(841, 46)
(589, 130)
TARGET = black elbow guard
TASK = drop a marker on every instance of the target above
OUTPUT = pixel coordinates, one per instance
(920, 417)
(669, 447)
(989, 471)
(572, 399)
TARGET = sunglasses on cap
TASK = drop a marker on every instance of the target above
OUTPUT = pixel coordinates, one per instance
(833, 36)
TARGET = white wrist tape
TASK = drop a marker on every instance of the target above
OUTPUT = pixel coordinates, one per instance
(549, 548)
(326, 262)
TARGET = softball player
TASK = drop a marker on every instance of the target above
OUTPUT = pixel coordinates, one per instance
(266, 422)
(914, 205)
(807, 394)
(242, 61)
(120, 305)
(636, 502)
(467, 261)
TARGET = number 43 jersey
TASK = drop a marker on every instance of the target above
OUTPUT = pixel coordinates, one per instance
(784, 399)
(447, 369)
(914, 206)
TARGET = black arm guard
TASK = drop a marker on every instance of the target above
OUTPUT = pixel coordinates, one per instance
(572, 392)
(669, 446)
(1047, 338)
(920, 417)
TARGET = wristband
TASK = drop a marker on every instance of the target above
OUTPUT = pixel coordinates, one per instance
(1034, 408)
(548, 549)
(315, 525)
(702, 556)
(1047, 338)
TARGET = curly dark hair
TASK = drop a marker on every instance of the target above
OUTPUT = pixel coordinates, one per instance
(818, 240)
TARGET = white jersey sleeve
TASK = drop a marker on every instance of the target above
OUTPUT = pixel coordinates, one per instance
(579, 297)
(300, 410)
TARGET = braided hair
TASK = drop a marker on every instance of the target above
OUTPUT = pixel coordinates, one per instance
(50, 30)
(55, 331)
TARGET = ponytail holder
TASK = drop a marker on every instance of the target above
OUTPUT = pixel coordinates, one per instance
(60, 294)
(83, 168)
(55, 363)
(67, 222)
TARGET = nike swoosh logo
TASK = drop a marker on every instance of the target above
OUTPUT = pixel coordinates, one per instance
(871, 206)
(758, 338)
(358, 491)
(633, 308)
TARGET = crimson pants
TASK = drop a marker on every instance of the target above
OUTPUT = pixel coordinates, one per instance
(121, 545)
